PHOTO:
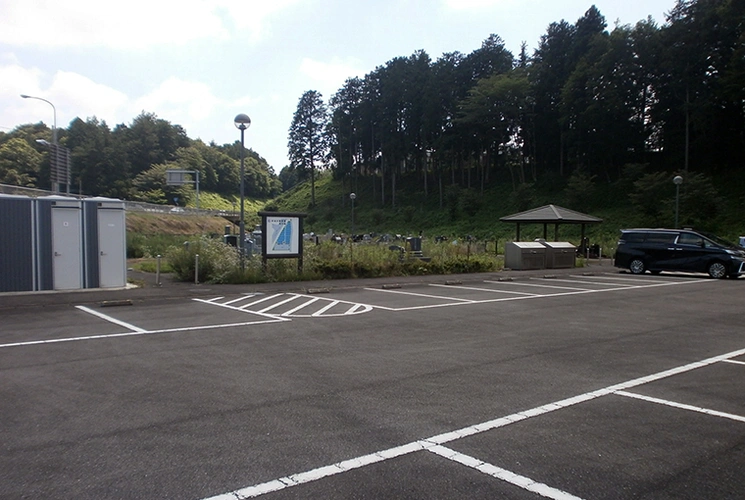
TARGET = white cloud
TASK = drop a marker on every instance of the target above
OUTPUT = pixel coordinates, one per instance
(253, 15)
(187, 103)
(473, 4)
(330, 76)
(179, 98)
(82, 97)
(132, 24)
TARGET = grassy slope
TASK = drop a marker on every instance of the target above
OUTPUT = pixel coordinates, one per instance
(415, 211)
(176, 225)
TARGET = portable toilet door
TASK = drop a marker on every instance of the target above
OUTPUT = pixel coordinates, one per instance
(106, 243)
(67, 243)
(112, 244)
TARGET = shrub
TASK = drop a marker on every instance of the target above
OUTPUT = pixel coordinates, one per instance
(218, 262)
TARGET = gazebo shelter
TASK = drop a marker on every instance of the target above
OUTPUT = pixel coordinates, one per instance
(551, 214)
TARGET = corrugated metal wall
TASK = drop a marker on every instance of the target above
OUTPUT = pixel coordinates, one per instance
(44, 247)
(16, 244)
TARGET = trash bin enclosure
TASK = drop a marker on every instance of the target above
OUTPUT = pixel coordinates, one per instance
(524, 255)
(560, 254)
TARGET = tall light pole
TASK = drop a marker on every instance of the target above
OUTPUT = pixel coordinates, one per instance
(242, 122)
(54, 126)
(677, 180)
(352, 197)
(55, 149)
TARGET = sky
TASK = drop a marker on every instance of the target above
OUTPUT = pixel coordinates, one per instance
(199, 63)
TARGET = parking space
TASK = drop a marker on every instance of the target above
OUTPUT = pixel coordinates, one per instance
(572, 448)
(602, 385)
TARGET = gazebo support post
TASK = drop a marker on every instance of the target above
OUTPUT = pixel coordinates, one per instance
(582, 241)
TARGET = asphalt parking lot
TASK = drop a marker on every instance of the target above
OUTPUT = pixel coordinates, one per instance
(582, 384)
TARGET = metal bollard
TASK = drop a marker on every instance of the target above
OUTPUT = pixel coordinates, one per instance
(157, 271)
(196, 269)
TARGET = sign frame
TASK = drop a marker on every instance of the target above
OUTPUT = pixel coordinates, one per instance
(282, 236)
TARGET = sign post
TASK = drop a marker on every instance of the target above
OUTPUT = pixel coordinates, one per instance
(178, 177)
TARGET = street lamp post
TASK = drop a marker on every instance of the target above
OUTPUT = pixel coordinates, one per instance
(55, 149)
(352, 197)
(677, 180)
(54, 126)
(242, 122)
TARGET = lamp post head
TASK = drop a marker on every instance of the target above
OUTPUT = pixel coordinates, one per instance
(352, 196)
(677, 180)
(25, 96)
(242, 121)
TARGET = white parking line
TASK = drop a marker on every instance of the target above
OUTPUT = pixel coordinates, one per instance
(574, 291)
(476, 289)
(357, 308)
(280, 303)
(111, 320)
(510, 477)
(268, 297)
(325, 308)
(133, 334)
(540, 286)
(618, 278)
(581, 282)
(243, 297)
(426, 444)
(681, 406)
(243, 307)
(301, 306)
(734, 362)
(420, 295)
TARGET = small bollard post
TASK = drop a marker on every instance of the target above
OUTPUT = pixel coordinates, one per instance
(157, 270)
(196, 269)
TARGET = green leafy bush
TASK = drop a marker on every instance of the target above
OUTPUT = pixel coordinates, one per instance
(218, 262)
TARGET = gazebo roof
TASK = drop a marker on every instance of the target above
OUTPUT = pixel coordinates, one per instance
(551, 214)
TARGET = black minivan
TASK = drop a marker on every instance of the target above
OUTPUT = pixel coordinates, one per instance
(657, 250)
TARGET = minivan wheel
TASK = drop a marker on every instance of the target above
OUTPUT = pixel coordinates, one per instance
(717, 270)
(637, 266)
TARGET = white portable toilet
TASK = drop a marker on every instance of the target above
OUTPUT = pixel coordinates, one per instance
(60, 237)
(105, 239)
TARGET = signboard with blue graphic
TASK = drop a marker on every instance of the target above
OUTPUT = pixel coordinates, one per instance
(282, 236)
